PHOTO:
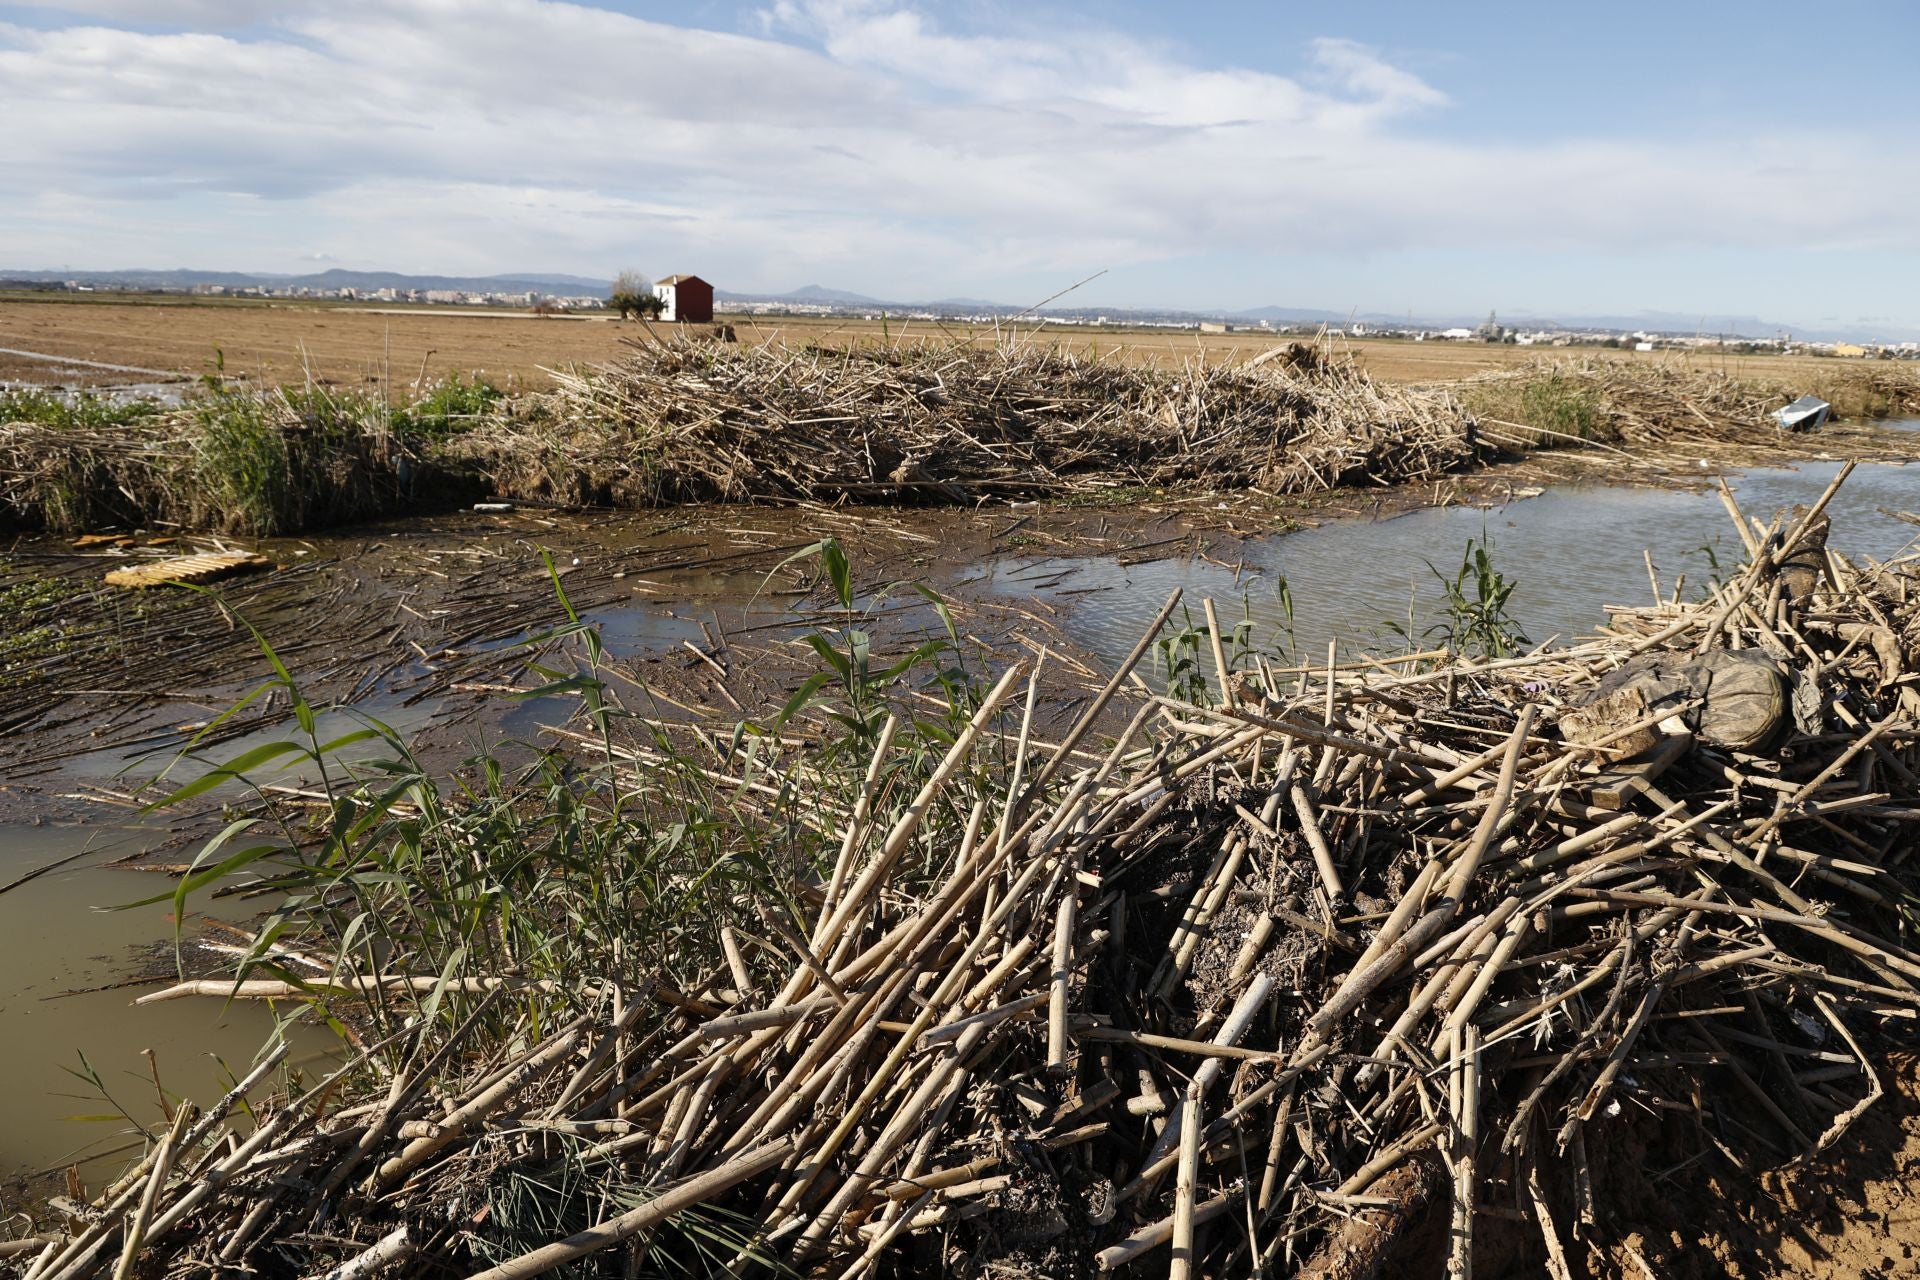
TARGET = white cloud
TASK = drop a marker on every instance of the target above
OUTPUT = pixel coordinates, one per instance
(1360, 71)
(856, 140)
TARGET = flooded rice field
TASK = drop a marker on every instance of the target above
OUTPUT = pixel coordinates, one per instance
(428, 624)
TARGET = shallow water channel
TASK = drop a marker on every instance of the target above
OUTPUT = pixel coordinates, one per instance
(1571, 551)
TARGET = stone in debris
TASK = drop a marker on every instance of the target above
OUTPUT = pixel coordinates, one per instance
(1734, 698)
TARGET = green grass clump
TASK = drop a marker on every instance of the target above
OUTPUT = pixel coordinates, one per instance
(1544, 409)
(452, 405)
(241, 461)
(277, 462)
(618, 860)
(1561, 405)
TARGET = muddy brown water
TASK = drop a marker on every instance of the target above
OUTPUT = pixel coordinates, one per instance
(62, 1014)
(1571, 551)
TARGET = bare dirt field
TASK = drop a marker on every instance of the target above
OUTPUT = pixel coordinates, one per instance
(282, 343)
(344, 345)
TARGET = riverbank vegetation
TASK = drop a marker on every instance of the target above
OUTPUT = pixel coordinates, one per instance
(1559, 403)
(948, 965)
(704, 421)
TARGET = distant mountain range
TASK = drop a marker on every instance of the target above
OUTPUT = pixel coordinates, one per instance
(824, 295)
(817, 293)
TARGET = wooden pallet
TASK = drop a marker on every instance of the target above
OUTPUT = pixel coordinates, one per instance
(177, 569)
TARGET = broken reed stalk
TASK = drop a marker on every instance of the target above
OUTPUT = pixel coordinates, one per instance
(1532, 938)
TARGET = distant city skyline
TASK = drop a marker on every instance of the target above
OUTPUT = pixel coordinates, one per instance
(1385, 158)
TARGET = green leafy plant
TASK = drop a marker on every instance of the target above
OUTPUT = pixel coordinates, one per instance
(1184, 659)
(452, 405)
(1475, 617)
(1178, 662)
(863, 683)
(1285, 643)
(1477, 620)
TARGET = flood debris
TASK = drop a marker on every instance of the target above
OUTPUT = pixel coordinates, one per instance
(1241, 988)
(1805, 414)
(685, 421)
(1648, 409)
(692, 419)
(204, 566)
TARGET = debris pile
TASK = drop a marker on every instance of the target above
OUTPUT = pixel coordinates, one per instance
(1653, 407)
(1264, 986)
(686, 421)
(232, 459)
(699, 420)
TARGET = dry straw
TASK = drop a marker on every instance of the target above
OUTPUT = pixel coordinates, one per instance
(1136, 1021)
(689, 421)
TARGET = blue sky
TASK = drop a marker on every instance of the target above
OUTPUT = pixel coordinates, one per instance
(1705, 160)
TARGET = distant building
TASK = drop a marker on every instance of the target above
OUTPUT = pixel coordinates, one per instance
(1215, 326)
(688, 299)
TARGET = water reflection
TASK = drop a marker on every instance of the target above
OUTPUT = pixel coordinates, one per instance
(1572, 551)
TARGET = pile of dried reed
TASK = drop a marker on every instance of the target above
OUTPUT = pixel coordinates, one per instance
(691, 421)
(1879, 390)
(231, 460)
(1649, 407)
(1248, 987)
(697, 420)
(74, 480)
